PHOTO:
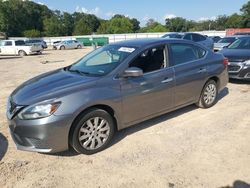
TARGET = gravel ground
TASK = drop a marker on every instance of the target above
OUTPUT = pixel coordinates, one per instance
(190, 147)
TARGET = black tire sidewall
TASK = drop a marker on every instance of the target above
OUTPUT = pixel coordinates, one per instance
(204, 104)
(62, 48)
(78, 124)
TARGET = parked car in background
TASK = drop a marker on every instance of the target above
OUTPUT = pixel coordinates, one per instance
(18, 47)
(215, 38)
(201, 39)
(37, 42)
(67, 44)
(56, 42)
(116, 86)
(238, 54)
(242, 33)
(224, 42)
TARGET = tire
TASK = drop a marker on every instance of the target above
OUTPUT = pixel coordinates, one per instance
(79, 47)
(22, 53)
(92, 132)
(209, 95)
(62, 48)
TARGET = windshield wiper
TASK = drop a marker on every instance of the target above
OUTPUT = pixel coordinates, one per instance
(79, 72)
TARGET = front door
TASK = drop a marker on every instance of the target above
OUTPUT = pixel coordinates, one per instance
(151, 93)
(8, 48)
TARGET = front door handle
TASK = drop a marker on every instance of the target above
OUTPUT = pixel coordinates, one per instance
(167, 80)
(202, 70)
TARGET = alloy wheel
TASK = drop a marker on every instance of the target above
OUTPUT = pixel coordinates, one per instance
(94, 133)
(210, 94)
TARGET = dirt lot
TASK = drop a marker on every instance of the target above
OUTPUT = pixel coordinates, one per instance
(188, 148)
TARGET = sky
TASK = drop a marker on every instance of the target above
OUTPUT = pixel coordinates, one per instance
(145, 9)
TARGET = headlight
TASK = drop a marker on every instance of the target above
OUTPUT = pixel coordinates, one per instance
(38, 111)
(247, 62)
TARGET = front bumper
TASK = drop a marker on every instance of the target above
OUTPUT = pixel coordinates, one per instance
(47, 135)
(238, 70)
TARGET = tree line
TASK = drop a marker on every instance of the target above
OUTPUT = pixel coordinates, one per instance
(29, 19)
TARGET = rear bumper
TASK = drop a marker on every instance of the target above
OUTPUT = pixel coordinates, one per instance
(47, 135)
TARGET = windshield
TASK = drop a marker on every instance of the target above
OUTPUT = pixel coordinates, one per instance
(172, 36)
(227, 40)
(102, 61)
(242, 43)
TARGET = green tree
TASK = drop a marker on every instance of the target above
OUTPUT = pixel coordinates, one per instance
(32, 33)
(120, 25)
(53, 27)
(82, 28)
(104, 27)
(153, 26)
(234, 21)
(221, 22)
(136, 25)
(67, 23)
(177, 24)
(246, 14)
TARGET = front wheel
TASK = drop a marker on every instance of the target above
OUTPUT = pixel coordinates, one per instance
(209, 95)
(92, 132)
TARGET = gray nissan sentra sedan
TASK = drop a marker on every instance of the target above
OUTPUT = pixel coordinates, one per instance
(116, 86)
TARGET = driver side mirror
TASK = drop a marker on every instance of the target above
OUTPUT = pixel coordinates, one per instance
(133, 72)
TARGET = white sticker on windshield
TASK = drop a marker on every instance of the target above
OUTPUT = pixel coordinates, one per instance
(126, 49)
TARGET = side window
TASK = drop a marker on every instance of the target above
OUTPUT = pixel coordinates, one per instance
(8, 43)
(198, 38)
(150, 60)
(188, 37)
(182, 53)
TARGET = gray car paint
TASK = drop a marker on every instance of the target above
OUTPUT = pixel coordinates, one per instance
(132, 100)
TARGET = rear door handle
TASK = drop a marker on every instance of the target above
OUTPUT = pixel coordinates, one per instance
(167, 80)
(202, 70)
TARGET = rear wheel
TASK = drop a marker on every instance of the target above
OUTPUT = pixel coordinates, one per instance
(92, 132)
(62, 48)
(209, 95)
(22, 53)
(79, 47)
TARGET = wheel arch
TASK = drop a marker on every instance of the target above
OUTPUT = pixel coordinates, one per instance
(104, 107)
(216, 79)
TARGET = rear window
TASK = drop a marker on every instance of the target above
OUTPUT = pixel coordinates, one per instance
(227, 40)
(172, 36)
(198, 38)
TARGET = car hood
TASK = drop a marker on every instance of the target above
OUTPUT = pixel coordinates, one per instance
(236, 55)
(50, 85)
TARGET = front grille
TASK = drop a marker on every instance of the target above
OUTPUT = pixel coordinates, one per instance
(234, 68)
(247, 75)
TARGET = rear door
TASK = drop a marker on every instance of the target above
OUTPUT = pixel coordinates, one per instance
(151, 93)
(190, 71)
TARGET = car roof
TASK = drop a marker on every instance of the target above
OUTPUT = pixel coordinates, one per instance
(147, 41)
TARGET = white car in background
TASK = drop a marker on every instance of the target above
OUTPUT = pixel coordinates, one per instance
(18, 47)
(224, 42)
(67, 44)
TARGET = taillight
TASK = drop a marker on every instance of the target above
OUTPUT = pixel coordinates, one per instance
(225, 62)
